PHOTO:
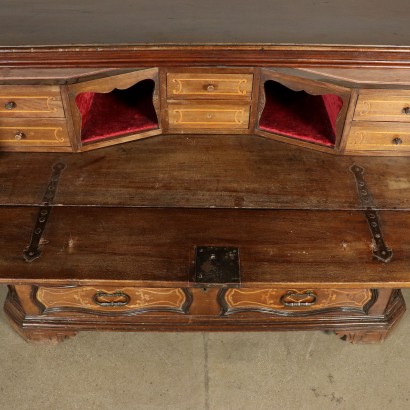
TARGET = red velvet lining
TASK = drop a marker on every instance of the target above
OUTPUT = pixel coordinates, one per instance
(300, 115)
(120, 112)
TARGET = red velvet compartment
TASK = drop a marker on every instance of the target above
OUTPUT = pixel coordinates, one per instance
(120, 112)
(300, 115)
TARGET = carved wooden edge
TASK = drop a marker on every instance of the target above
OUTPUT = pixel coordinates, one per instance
(184, 309)
(377, 334)
(313, 87)
(106, 85)
(145, 55)
(226, 310)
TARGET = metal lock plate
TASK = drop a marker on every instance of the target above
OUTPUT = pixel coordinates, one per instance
(216, 266)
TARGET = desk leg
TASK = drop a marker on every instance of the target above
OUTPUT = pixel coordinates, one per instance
(387, 311)
(20, 308)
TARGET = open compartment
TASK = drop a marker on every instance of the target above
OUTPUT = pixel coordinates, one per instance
(115, 109)
(119, 112)
(304, 112)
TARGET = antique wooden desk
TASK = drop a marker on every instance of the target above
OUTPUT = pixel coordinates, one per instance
(273, 194)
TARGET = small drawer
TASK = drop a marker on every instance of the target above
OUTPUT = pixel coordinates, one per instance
(38, 132)
(378, 136)
(208, 116)
(30, 101)
(111, 300)
(383, 105)
(277, 301)
(208, 85)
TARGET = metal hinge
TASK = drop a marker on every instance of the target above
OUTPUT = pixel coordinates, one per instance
(380, 250)
(33, 250)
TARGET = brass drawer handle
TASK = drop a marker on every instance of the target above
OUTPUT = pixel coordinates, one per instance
(406, 110)
(19, 135)
(397, 141)
(210, 88)
(10, 105)
(293, 298)
(111, 299)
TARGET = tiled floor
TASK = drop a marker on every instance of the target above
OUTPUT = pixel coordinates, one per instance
(195, 371)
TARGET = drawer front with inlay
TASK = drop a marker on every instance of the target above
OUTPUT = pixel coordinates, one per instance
(208, 85)
(282, 301)
(110, 300)
(378, 136)
(383, 105)
(192, 116)
(33, 132)
(30, 102)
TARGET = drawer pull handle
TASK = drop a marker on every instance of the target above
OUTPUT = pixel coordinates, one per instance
(397, 141)
(406, 110)
(116, 299)
(19, 135)
(10, 105)
(293, 298)
(211, 88)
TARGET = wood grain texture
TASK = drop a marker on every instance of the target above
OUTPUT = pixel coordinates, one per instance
(153, 247)
(125, 300)
(209, 86)
(378, 136)
(202, 116)
(56, 326)
(30, 101)
(26, 132)
(137, 174)
(383, 105)
(276, 301)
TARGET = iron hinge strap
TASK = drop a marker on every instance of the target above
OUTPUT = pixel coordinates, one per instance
(33, 250)
(380, 250)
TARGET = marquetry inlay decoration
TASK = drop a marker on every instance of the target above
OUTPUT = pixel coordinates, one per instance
(266, 300)
(387, 136)
(239, 87)
(383, 105)
(114, 300)
(40, 134)
(45, 103)
(191, 116)
(209, 86)
(365, 108)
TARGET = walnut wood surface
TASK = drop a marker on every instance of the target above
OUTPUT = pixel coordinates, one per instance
(30, 102)
(44, 132)
(383, 105)
(125, 300)
(154, 247)
(271, 300)
(55, 326)
(240, 171)
(378, 136)
(213, 21)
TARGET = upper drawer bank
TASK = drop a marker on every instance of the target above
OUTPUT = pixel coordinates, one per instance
(22, 101)
(209, 86)
(383, 105)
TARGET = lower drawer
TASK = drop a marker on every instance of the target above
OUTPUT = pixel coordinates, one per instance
(379, 136)
(194, 115)
(33, 132)
(113, 300)
(295, 301)
(212, 302)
